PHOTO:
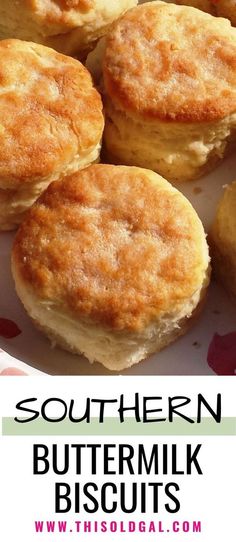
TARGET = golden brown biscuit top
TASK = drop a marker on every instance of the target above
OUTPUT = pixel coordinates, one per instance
(117, 245)
(49, 112)
(173, 63)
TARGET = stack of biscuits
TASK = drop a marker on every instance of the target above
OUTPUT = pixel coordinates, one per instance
(110, 260)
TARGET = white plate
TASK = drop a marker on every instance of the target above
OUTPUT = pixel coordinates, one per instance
(187, 356)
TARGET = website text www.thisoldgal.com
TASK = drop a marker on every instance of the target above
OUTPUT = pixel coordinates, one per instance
(117, 527)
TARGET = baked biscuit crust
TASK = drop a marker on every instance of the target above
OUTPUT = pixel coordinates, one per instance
(50, 114)
(226, 8)
(182, 67)
(222, 8)
(204, 5)
(69, 26)
(114, 245)
(223, 240)
(59, 15)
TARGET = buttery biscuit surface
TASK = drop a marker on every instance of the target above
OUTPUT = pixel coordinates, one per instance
(169, 62)
(222, 8)
(50, 114)
(114, 245)
(69, 26)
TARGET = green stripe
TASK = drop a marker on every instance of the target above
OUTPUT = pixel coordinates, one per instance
(112, 426)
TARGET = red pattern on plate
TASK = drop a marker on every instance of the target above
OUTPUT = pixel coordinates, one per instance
(8, 329)
(12, 371)
(221, 355)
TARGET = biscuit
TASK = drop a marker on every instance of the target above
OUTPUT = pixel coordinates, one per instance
(51, 123)
(111, 262)
(223, 240)
(169, 85)
(226, 8)
(222, 8)
(70, 26)
(205, 5)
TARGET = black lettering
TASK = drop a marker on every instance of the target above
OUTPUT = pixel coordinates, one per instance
(60, 497)
(65, 467)
(192, 458)
(102, 403)
(91, 498)
(155, 487)
(175, 461)
(143, 498)
(126, 459)
(94, 448)
(173, 409)
(134, 408)
(53, 400)
(123, 503)
(146, 411)
(86, 415)
(108, 458)
(78, 448)
(173, 498)
(143, 464)
(34, 412)
(40, 458)
(104, 499)
(215, 414)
